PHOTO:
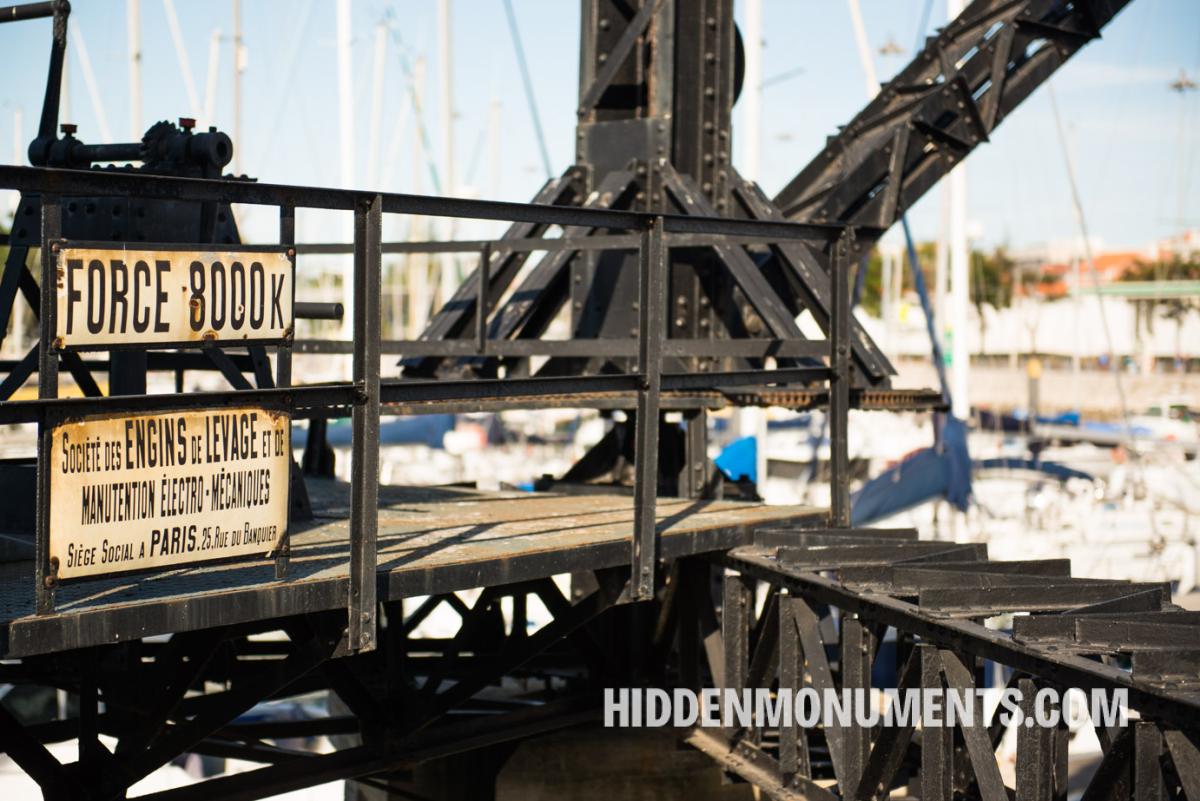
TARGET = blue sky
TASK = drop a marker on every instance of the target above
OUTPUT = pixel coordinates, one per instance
(1136, 144)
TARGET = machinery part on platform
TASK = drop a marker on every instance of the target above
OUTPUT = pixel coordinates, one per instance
(165, 149)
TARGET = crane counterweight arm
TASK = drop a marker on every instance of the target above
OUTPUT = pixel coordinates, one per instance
(940, 107)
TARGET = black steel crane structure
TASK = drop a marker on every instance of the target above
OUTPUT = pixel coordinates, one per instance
(680, 283)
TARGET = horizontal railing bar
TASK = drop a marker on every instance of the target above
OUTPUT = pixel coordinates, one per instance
(626, 401)
(338, 396)
(157, 361)
(716, 348)
(66, 183)
(605, 242)
(306, 397)
(400, 391)
(549, 245)
(28, 11)
(742, 378)
(671, 401)
(709, 228)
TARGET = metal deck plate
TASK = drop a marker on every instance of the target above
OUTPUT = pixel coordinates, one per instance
(430, 540)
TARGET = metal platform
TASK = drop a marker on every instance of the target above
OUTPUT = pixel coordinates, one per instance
(832, 596)
(431, 540)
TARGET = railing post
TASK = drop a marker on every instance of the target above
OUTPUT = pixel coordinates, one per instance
(937, 743)
(737, 607)
(1035, 744)
(839, 385)
(283, 378)
(794, 760)
(1148, 781)
(482, 297)
(44, 572)
(693, 479)
(364, 483)
(651, 280)
(857, 655)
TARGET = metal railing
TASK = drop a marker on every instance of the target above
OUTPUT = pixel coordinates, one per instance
(366, 395)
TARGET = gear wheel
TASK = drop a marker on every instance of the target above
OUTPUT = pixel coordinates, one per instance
(156, 144)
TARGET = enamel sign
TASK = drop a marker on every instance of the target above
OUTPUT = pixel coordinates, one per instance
(159, 295)
(132, 492)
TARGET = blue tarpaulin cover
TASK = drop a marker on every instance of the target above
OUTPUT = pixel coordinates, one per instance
(739, 460)
(929, 473)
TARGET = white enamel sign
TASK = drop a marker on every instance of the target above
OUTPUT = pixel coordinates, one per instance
(128, 296)
(132, 492)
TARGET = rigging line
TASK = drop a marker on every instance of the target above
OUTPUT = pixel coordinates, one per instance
(1183, 156)
(269, 142)
(397, 139)
(915, 263)
(89, 79)
(781, 77)
(1120, 106)
(1081, 220)
(1189, 118)
(935, 345)
(418, 108)
(918, 276)
(530, 98)
(476, 153)
(924, 26)
(1187, 155)
(185, 66)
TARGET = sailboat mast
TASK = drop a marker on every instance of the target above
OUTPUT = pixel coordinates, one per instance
(959, 278)
(448, 280)
(345, 76)
(133, 28)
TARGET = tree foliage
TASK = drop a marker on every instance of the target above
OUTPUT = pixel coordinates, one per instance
(1173, 269)
(993, 276)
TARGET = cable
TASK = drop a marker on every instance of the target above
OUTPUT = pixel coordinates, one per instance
(924, 23)
(417, 106)
(530, 98)
(269, 142)
(1087, 250)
